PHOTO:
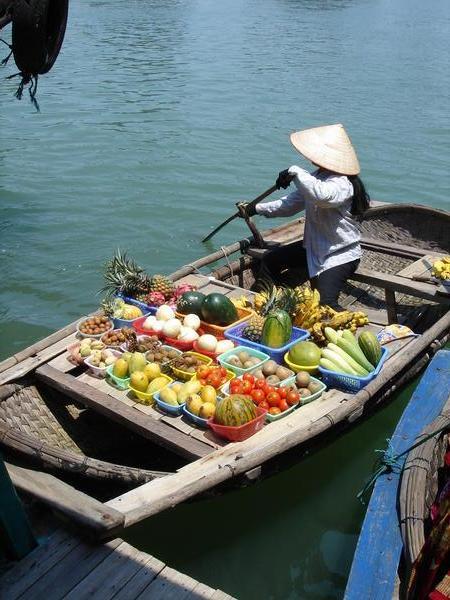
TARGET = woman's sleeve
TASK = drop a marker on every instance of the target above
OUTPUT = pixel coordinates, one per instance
(331, 193)
(286, 206)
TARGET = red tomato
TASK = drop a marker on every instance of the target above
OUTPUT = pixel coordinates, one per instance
(264, 404)
(274, 410)
(223, 372)
(268, 389)
(236, 386)
(273, 398)
(248, 377)
(203, 371)
(202, 381)
(283, 405)
(214, 380)
(292, 397)
(282, 391)
(260, 384)
(247, 386)
(258, 396)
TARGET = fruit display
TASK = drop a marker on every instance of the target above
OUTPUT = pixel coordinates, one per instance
(97, 326)
(235, 410)
(241, 359)
(78, 352)
(262, 391)
(100, 359)
(301, 389)
(277, 330)
(304, 354)
(210, 345)
(116, 337)
(120, 368)
(191, 303)
(140, 343)
(303, 306)
(346, 354)
(217, 309)
(123, 276)
(211, 375)
(119, 309)
(188, 362)
(441, 268)
(167, 325)
(202, 403)
(161, 354)
(272, 372)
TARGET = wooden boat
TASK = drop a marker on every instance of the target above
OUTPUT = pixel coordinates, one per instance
(392, 534)
(56, 416)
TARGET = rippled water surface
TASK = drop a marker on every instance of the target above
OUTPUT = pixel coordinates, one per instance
(156, 118)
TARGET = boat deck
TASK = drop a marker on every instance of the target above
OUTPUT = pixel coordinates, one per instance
(67, 567)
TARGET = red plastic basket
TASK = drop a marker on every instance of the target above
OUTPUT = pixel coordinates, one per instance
(238, 434)
(179, 344)
(137, 326)
(212, 355)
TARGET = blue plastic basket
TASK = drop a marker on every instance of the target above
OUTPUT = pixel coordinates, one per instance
(351, 383)
(223, 359)
(146, 308)
(276, 354)
(170, 409)
(194, 419)
(119, 323)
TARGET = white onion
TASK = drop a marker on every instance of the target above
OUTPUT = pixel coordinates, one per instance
(164, 313)
(224, 346)
(158, 326)
(171, 328)
(149, 322)
(207, 342)
(188, 335)
(192, 321)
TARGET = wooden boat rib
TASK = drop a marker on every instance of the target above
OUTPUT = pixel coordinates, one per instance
(39, 385)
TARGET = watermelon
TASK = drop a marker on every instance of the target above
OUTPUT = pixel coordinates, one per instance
(217, 309)
(191, 303)
(277, 329)
(235, 410)
(305, 354)
(370, 346)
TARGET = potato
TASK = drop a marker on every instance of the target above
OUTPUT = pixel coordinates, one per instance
(244, 357)
(269, 367)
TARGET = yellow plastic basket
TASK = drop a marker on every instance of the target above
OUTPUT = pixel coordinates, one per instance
(148, 399)
(185, 375)
(297, 368)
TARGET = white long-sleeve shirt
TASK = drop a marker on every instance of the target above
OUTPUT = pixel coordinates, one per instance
(331, 236)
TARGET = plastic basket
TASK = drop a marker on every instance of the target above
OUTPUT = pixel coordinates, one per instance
(145, 398)
(100, 372)
(203, 423)
(96, 336)
(242, 432)
(119, 323)
(306, 399)
(178, 344)
(169, 409)
(165, 364)
(222, 359)
(142, 305)
(235, 334)
(270, 418)
(121, 383)
(351, 383)
(137, 326)
(219, 331)
(230, 376)
(113, 346)
(225, 389)
(297, 368)
(185, 375)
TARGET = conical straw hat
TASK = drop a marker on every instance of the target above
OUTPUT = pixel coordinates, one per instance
(328, 147)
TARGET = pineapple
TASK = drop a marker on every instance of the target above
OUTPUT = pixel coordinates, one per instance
(124, 276)
(163, 285)
(254, 328)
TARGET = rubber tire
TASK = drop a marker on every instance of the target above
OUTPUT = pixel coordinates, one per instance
(38, 28)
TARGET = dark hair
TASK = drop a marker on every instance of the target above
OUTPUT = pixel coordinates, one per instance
(361, 199)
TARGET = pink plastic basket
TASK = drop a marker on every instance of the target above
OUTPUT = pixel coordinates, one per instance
(242, 432)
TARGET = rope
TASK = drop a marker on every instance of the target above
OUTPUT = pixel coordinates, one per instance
(229, 265)
(32, 89)
(5, 60)
(390, 463)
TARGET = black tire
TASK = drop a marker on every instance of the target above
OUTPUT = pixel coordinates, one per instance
(38, 28)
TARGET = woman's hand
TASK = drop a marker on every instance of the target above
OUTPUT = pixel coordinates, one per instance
(284, 179)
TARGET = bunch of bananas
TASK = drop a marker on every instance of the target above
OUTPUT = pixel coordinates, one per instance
(441, 268)
(242, 302)
(308, 310)
(340, 320)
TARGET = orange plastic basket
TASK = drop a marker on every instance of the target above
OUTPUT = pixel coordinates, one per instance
(244, 314)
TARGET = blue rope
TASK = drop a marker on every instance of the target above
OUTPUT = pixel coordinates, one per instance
(390, 463)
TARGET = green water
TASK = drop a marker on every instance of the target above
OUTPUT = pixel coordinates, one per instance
(157, 117)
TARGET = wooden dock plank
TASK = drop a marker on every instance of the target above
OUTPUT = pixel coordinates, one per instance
(140, 580)
(71, 570)
(112, 575)
(108, 406)
(19, 578)
(170, 585)
(107, 388)
(200, 592)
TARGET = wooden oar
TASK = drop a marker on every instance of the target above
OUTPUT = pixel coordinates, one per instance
(271, 190)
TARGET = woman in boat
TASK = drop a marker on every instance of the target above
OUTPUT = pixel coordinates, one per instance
(332, 196)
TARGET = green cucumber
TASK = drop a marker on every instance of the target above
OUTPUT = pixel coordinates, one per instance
(356, 353)
(353, 363)
(348, 335)
(330, 334)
